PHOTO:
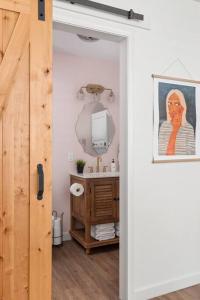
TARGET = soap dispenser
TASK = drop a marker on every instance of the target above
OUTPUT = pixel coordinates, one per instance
(113, 166)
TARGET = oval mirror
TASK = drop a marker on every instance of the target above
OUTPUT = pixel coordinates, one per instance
(95, 129)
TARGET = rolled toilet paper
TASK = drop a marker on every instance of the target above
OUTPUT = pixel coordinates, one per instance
(77, 189)
(57, 232)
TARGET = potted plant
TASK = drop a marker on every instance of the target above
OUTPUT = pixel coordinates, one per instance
(80, 164)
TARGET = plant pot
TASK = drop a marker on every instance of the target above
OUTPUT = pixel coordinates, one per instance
(80, 169)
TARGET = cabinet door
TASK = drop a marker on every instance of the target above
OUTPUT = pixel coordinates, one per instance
(102, 200)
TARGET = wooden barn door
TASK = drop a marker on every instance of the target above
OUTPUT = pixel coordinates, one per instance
(25, 142)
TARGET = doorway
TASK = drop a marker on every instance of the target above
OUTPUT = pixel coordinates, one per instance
(86, 127)
(123, 39)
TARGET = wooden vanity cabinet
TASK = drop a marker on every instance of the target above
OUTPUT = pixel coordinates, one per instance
(98, 205)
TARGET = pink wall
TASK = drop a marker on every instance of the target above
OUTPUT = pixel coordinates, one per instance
(70, 73)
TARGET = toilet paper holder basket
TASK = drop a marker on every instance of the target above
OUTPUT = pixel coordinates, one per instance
(60, 237)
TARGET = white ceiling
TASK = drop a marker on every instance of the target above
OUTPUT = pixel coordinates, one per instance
(70, 43)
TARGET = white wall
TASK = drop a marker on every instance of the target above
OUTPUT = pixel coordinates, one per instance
(164, 206)
(165, 216)
(164, 210)
(69, 74)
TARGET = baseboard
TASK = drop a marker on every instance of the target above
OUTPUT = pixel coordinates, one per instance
(66, 236)
(166, 287)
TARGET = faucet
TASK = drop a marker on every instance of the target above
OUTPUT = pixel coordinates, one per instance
(99, 159)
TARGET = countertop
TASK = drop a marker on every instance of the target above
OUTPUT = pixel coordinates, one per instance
(97, 175)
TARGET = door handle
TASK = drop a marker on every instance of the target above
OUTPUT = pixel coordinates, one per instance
(40, 182)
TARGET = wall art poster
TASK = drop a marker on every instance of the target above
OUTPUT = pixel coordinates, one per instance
(176, 119)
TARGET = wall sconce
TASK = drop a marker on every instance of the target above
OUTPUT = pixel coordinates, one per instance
(96, 90)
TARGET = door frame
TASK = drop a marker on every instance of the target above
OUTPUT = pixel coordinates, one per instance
(76, 16)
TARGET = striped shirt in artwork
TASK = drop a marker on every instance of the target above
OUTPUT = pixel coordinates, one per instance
(185, 139)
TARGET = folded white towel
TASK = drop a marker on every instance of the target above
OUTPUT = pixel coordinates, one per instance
(103, 226)
(117, 233)
(103, 232)
(98, 232)
(103, 237)
(100, 229)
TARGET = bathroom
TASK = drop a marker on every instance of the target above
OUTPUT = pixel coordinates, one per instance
(86, 130)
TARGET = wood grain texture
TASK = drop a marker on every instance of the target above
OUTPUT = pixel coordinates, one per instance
(22, 6)
(78, 203)
(82, 277)
(25, 235)
(103, 193)
(15, 170)
(40, 151)
(7, 27)
(21, 191)
(192, 293)
(9, 22)
(13, 53)
(1, 171)
(8, 200)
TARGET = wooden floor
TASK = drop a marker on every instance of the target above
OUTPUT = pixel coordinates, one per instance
(77, 276)
(192, 293)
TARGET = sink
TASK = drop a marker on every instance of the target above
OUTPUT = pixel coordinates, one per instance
(97, 175)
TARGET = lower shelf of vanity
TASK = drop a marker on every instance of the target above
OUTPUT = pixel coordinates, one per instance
(79, 236)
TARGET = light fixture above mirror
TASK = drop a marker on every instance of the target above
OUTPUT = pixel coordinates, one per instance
(96, 90)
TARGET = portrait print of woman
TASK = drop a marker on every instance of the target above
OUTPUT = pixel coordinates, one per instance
(176, 134)
(176, 119)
